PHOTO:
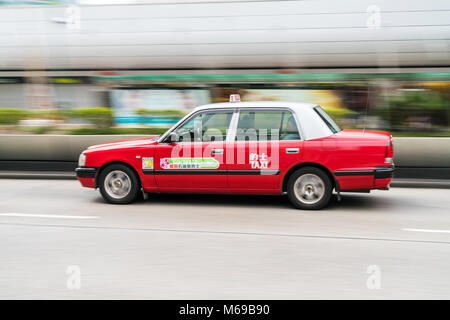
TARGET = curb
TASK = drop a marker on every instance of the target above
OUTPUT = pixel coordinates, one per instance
(421, 183)
(38, 175)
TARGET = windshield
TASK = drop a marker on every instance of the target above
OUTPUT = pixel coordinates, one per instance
(327, 119)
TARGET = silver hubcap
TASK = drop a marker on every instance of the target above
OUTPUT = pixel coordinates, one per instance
(309, 188)
(117, 184)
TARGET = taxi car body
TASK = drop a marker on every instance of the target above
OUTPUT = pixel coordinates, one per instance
(244, 147)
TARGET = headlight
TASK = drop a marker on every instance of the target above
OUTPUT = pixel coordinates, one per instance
(82, 160)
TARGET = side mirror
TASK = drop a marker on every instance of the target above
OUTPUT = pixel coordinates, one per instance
(173, 137)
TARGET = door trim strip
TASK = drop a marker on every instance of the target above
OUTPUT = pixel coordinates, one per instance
(212, 172)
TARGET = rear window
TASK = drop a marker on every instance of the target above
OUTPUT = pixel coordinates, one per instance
(327, 119)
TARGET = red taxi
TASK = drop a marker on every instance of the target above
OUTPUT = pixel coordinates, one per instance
(244, 147)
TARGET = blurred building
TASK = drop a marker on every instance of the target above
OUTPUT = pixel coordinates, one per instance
(178, 54)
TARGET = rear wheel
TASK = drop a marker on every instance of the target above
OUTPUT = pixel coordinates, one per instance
(309, 188)
(118, 184)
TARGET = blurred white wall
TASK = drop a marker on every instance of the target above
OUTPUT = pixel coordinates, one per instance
(226, 34)
(13, 96)
(80, 96)
(17, 96)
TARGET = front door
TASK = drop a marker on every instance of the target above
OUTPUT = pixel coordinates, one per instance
(267, 143)
(196, 161)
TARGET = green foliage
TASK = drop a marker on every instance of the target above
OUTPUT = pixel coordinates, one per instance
(339, 114)
(51, 114)
(100, 117)
(409, 104)
(37, 130)
(419, 134)
(12, 116)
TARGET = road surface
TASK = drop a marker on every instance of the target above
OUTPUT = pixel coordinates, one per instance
(61, 241)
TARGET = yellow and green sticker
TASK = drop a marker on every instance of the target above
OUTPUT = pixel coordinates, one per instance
(147, 163)
(189, 163)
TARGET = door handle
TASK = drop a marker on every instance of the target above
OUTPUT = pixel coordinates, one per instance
(292, 150)
(217, 151)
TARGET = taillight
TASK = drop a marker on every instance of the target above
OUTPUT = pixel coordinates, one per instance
(389, 153)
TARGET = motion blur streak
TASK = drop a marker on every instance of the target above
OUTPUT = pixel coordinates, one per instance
(229, 247)
(238, 34)
(96, 67)
(51, 216)
(85, 67)
(77, 73)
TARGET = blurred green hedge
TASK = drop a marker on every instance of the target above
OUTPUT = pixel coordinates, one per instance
(397, 110)
(339, 114)
(12, 116)
(100, 117)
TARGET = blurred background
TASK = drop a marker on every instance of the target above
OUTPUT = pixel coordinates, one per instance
(85, 66)
(92, 67)
(78, 73)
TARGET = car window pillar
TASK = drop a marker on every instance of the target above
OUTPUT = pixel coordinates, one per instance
(231, 134)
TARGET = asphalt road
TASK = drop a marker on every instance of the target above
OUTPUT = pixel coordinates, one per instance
(61, 241)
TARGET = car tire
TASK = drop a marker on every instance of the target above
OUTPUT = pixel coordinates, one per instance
(118, 184)
(309, 188)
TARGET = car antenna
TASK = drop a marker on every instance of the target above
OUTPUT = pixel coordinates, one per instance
(367, 107)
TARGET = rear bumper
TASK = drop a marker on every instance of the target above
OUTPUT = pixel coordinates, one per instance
(384, 172)
(377, 178)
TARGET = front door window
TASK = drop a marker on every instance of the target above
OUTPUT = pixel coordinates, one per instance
(205, 127)
(197, 158)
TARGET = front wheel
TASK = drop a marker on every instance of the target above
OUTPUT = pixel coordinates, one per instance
(118, 184)
(309, 188)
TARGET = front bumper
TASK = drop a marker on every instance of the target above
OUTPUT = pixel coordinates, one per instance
(86, 176)
(86, 172)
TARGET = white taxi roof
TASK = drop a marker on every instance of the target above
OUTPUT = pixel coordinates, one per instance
(297, 106)
(310, 124)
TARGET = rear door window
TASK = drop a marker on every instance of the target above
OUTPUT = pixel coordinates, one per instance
(266, 125)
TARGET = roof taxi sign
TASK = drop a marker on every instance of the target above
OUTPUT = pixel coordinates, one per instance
(235, 98)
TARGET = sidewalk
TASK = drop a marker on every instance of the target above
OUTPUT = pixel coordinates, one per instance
(420, 183)
(37, 175)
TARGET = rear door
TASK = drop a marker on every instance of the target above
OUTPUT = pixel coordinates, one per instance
(197, 159)
(266, 144)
